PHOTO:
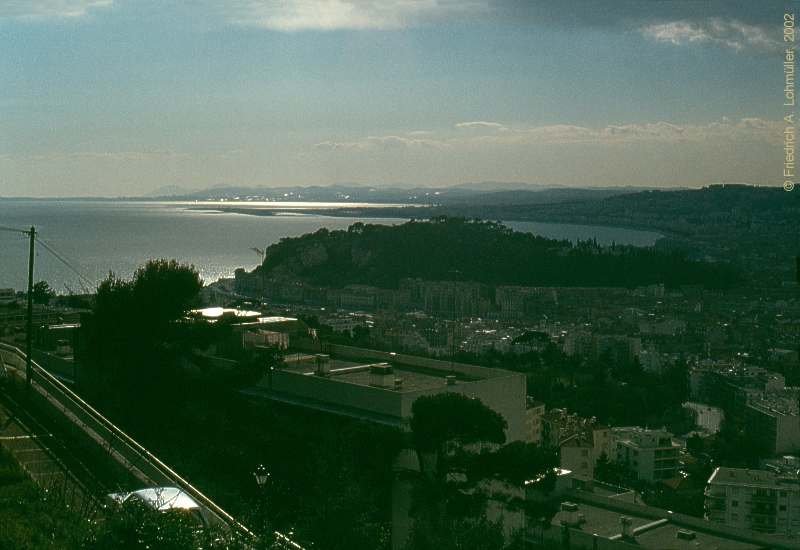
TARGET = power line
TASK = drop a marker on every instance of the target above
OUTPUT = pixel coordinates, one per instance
(86, 283)
(83, 279)
(15, 230)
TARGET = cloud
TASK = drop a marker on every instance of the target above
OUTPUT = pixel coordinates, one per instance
(480, 124)
(744, 130)
(635, 13)
(381, 143)
(44, 9)
(728, 33)
(327, 15)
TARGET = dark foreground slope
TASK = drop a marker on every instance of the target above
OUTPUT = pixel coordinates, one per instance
(470, 250)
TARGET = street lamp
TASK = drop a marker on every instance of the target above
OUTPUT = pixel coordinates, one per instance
(262, 476)
(259, 511)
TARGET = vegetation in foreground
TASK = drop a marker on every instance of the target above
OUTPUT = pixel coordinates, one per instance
(32, 519)
(330, 477)
(35, 519)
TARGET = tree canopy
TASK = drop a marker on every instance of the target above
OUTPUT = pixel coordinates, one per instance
(444, 417)
(42, 293)
(131, 338)
(481, 251)
(449, 508)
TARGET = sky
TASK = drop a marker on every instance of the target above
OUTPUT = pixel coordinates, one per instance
(121, 97)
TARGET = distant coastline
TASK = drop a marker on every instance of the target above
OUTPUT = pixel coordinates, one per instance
(409, 212)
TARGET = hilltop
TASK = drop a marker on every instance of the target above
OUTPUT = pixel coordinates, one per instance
(471, 250)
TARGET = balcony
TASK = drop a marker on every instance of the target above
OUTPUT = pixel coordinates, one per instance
(768, 499)
(715, 505)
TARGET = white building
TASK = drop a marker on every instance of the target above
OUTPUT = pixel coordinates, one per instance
(774, 422)
(758, 500)
(706, 417)
(579, 453)
(533, 420)
(650, 454)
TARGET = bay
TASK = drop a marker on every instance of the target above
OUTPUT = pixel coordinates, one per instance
(96, 237)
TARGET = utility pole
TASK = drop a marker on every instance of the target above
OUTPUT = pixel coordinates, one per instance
(29, 330)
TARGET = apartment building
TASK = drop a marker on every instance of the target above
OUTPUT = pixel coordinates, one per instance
(774, 422)
(534, 413)
(650, 454)
(759, 500)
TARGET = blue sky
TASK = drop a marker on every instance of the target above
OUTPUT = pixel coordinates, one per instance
(118, 97)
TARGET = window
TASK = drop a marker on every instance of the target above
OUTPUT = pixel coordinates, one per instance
(782, 507)
(734, 503)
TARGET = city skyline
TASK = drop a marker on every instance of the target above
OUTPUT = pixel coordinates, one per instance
(113, 98)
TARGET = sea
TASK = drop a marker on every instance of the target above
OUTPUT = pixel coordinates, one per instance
(80, 242)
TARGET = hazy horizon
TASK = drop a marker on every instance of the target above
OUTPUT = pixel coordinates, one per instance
(110, 98)
(157, 194)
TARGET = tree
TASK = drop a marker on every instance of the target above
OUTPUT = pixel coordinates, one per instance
(483, 251)
(42, 293)
(611, 472)
(449, 501)
(132, 337)
(161, 292)
(164, 290)
(453, 417)
(515, 463)
(133, 526)
(480, 534)
(695, 445)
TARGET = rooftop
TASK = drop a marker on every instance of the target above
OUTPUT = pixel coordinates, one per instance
(353, 372)
(777, 404)
(652, 528)
(754, 478)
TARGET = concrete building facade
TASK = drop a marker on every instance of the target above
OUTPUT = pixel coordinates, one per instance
(774, 423)
(759, 500)
(382, 387)
(533, 420)
(650, 454)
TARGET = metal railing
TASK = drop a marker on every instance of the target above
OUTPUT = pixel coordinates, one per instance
(125, 450)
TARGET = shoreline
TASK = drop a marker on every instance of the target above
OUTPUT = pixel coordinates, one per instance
(397, 213)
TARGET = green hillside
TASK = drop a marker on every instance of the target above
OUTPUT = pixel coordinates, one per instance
(470, 250)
